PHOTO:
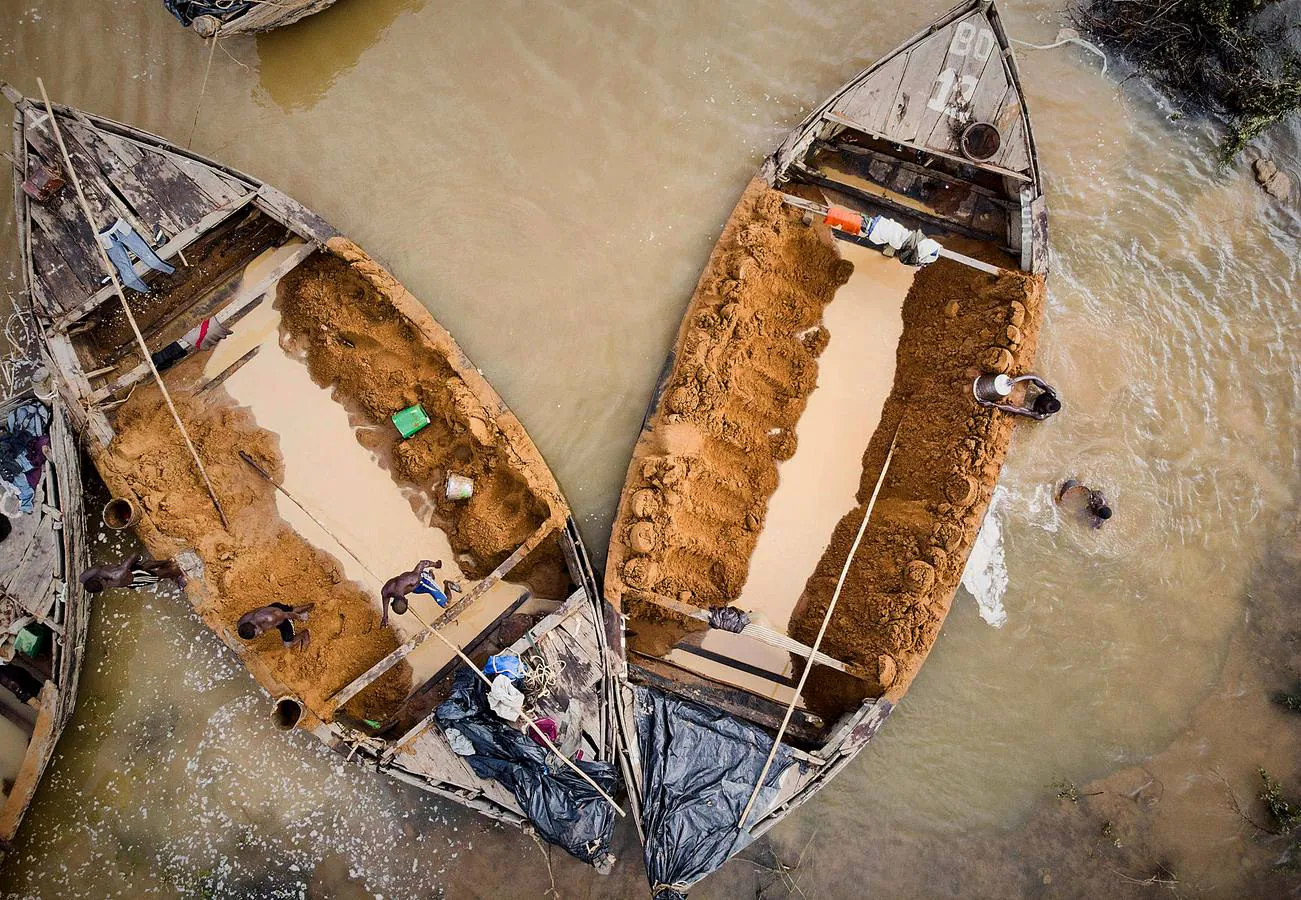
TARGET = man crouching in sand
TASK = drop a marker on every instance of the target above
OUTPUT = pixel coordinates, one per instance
(281, 617)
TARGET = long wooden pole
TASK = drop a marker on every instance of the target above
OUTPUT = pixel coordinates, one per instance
(457, 650)
(126, 308)
(817, 642)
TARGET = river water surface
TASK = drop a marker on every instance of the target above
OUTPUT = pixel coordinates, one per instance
(549, 177)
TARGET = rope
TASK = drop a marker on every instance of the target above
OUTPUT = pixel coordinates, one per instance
(817, 642)
(1068, 36)
(212, 51)
(126, 307)
(539, 678)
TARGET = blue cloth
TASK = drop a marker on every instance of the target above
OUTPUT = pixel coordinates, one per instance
(121, 238)
(21, 451)
(429, 586)
(504, 664)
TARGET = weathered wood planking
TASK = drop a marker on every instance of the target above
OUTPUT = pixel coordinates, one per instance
(267, 16)
(925, 94)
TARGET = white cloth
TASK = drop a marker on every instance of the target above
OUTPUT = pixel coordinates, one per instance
(505, 699)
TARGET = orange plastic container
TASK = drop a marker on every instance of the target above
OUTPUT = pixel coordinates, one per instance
(844, 218)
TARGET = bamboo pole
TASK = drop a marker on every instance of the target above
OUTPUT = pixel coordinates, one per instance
(436, 633)
(817, 642)
(126, 308)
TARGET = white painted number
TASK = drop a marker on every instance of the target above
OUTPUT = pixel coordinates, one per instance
(942, 92)
(967, 39)
(966, 36)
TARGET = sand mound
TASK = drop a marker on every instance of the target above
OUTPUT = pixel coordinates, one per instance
(957, 323)
(261, 560)
(700, 480)
(703, 472)
(348, 316)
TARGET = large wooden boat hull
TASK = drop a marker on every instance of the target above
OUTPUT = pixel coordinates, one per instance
(707, 520)
(39, 564)
(236, 244)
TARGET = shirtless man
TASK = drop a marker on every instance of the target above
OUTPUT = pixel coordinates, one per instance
(417, 581)
(281, 617)
(135, 572)
(1085, 500)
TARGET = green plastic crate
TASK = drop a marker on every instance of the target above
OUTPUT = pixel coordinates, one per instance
(410, 420)
(29, 641)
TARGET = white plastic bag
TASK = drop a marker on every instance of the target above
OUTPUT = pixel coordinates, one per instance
(505, 699)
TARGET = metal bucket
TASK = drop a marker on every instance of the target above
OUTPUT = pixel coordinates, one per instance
(992, 388)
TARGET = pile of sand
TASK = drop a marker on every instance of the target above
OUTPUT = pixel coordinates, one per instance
(958, 323)
(701, 476)
(705, 468)
(260, 560)
(365, 337)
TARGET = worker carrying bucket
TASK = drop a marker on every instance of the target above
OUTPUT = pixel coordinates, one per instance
(993, 391)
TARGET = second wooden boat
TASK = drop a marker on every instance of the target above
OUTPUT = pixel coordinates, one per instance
(44, 612)
(347, 437)
(813, 353)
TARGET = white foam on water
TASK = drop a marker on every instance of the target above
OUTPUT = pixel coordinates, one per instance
(986, 573)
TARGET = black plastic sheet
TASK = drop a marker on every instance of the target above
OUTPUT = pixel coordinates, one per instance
(562, 806)
(699, 766)
(189, 10)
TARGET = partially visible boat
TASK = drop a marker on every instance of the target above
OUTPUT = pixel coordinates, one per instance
(814, 368)
(296, 415)
(221, 18)
(44, 611)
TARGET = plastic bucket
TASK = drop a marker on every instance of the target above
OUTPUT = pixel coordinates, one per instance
(286, 713)
(459, 487)
(120, 513)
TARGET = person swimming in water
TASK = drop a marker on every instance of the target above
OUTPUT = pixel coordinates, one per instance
(134, 572)
(1085, 500)
(418, 581)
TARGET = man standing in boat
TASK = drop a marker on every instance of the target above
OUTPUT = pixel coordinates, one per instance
(418, 581)
(135, 572)
(281, 617)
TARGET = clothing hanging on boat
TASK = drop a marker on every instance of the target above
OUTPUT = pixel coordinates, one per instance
(120, 238)
(22, 451)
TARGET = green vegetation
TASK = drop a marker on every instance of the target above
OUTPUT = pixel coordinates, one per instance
(1286, 814)
(1291, 702)
(1208, 51)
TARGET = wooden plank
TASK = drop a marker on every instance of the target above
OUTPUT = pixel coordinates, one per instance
(999, 170)
(14, 549)
(971, 48)
(245, 300)
(990, 93)
(871, 102)
(72, 239)
(216, 186)
(672, 679)
(31, 581)
(144, 202)
(41, 138)
(1016, 153)
(916, 86)
(347, 692)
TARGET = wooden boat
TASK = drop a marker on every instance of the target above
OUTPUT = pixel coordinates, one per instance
(807, 359)
(290, 415)
(222, 18)
(43, 610)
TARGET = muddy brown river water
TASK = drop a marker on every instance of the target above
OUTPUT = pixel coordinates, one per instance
(549, 177)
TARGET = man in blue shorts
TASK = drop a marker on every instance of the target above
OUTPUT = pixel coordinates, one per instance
(418, 581)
